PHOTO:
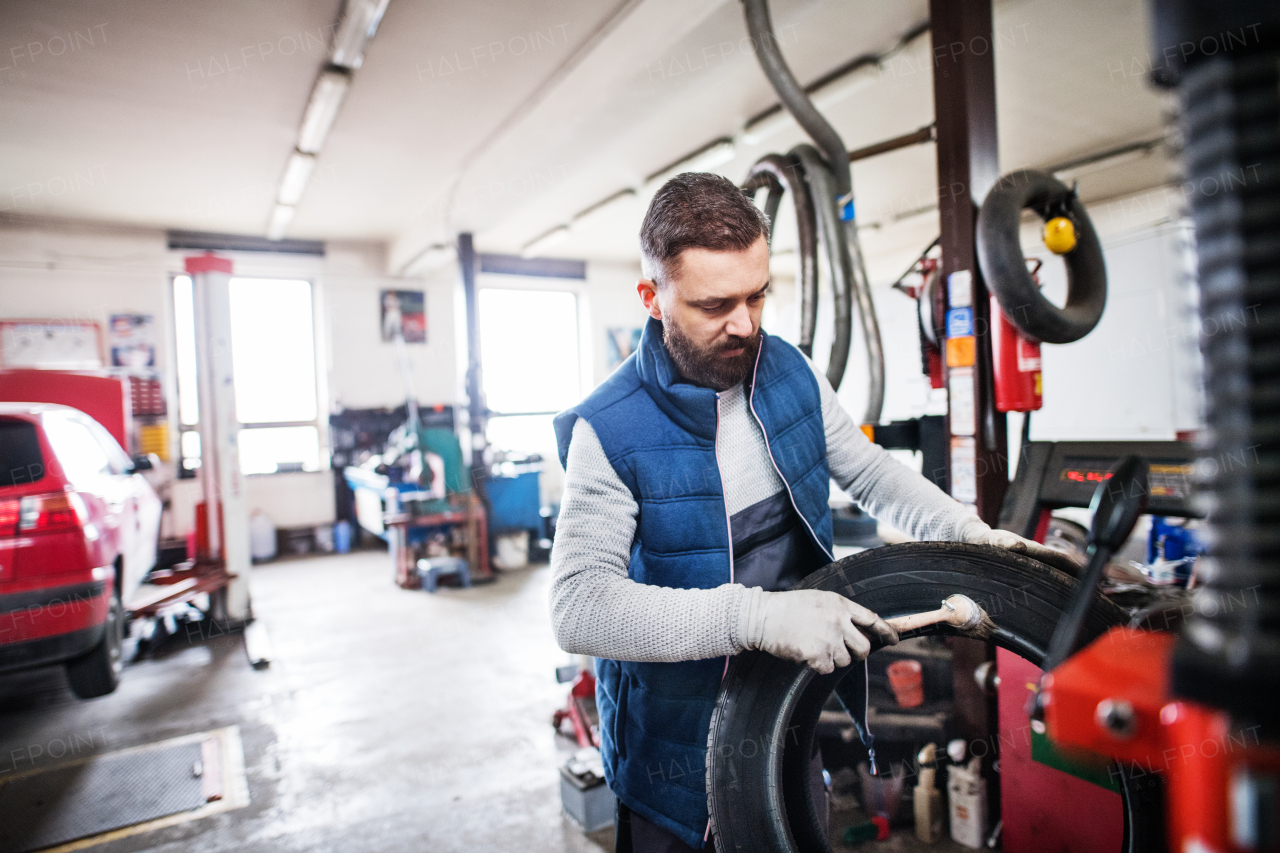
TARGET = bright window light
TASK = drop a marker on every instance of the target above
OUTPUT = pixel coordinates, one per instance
(268, 450)
(273, 350)
(524, 433)
(184, 323)
(191, 449)
(529, 350)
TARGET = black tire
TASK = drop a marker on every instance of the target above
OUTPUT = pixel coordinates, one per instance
(763, 725)
(1005, 272)
(97, 672)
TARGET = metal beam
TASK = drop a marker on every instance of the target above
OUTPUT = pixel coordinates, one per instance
(968, 166)
(964, 108)
(476, 407)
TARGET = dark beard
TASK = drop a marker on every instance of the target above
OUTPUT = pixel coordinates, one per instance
(706, 367)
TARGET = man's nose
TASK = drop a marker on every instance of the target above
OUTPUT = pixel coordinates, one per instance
(740, 322)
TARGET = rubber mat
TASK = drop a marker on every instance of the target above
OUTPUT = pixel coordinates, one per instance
(98, 795)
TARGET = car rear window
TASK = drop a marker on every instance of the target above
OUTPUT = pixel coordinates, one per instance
(20, 458)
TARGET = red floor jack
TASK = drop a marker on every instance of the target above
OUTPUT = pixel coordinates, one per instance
(580, 710)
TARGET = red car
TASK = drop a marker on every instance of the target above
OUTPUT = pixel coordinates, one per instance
(78, 531)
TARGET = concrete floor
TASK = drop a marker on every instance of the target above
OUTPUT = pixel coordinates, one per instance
(389, 720)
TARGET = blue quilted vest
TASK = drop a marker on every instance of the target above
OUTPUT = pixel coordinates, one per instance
(659, 434)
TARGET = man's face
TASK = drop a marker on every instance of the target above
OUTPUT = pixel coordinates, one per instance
(710, 312)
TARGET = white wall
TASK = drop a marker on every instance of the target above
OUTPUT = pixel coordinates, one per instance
(1136, 376)
(364, 371)
(82, 272)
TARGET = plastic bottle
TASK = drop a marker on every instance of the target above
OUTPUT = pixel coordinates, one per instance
(928, 799)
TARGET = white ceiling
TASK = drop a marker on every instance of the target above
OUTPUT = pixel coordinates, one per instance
(505, 117)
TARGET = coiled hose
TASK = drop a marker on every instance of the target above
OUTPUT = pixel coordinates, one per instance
(780, 174)
(1229, 652)
(831, 235)
(840, 238)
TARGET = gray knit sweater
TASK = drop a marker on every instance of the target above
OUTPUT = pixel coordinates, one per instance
(597, 610)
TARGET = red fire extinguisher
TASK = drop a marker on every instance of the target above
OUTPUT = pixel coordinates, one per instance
(1016, 360)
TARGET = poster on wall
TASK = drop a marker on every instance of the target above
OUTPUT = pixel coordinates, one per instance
(131, 338)
(404, 312)
(619, 343)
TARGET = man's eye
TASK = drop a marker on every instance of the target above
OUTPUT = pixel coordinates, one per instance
(713, 307)
(756, 297)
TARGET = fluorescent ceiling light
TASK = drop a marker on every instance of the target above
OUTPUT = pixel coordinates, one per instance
(281, 216)
(758, 131)
(703, 160)
(621, 195)
(844, 87)
(431, 258)
(824, 98)
(710, 157)
(296, 174)
(1101, 163)
(322, 108)
(553, 237)
(360, 19)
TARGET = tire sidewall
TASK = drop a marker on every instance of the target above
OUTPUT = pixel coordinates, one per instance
(761, 694)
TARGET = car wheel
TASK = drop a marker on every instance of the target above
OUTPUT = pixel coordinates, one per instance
(765, 720)
(97, 672)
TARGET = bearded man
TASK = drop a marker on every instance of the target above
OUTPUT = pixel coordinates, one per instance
(696, 486)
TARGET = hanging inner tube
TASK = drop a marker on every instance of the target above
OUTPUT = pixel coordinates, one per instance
(1005, 271)
(763, 726)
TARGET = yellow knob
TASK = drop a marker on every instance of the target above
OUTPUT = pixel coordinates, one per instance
(1060, 235)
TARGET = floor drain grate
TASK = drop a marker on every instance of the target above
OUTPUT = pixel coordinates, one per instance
(123, 792)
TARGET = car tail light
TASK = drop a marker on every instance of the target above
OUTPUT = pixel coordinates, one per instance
(49, 512)
(8, 516)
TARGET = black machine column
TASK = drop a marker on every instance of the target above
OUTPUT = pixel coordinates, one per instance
(477, 409)
(964, 102)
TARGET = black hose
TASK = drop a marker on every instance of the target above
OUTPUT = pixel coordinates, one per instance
(1004, 269)
(766, 716)
(784, 172)
(762, 180)
(793, 96)
(848, 273)
(870, 324)
(1228, 655)
(831, 236)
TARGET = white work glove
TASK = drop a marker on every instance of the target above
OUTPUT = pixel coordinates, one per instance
(976, 532)
(824, 630)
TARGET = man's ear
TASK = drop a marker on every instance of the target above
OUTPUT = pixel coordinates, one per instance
(648, 291)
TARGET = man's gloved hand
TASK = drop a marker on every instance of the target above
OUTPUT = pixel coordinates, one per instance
(822, 629)
(976, 532)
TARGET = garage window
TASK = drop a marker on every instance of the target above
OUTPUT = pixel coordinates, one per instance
(529, 356)
(273, 353)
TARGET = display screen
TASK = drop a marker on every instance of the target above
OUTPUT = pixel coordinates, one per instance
(1166, 478)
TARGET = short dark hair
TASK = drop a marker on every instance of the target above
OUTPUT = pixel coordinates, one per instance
(696, 210)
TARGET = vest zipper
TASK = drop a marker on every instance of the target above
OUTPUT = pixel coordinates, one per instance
(751, 404)
(720, 471)
(728, 524)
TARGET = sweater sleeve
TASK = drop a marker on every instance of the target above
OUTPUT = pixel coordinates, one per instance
(884, 487)
(596, 609)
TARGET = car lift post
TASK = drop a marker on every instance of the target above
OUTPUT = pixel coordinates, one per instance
(221, 483)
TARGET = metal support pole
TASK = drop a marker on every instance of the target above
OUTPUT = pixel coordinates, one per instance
(964, 104)
(221, 483)
(964, 98)
(477, 409)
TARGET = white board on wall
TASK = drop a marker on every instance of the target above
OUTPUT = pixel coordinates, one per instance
(50, 344)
